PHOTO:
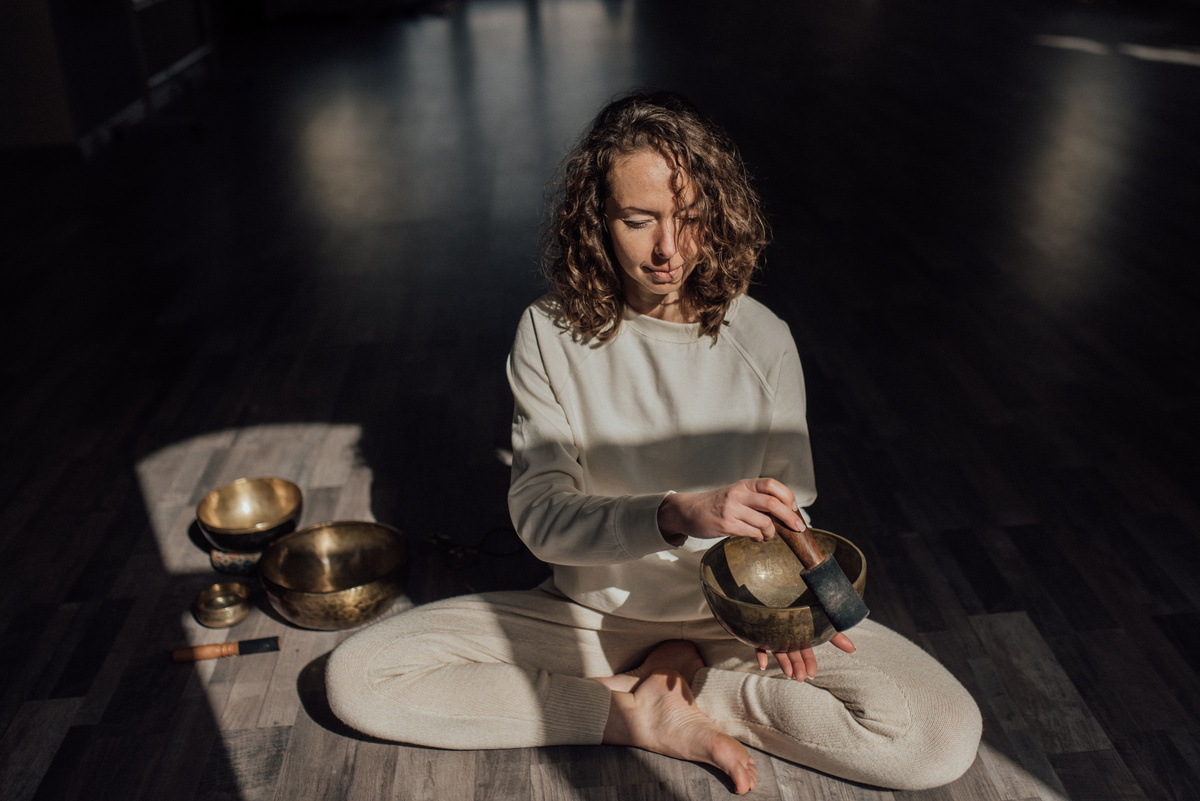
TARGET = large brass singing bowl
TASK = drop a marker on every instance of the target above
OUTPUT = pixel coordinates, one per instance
(248, 514)
(755, 591)
(334, 575)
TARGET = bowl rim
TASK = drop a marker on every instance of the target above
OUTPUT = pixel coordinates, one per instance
(257, 527)
(707, 587)
(271, 585)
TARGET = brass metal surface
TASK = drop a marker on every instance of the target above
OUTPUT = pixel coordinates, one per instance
(246, 515)
(757, 594)
(335, 575)
(222, 605)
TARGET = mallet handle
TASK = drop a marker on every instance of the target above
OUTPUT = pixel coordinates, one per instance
(802, 544)
(198, 652)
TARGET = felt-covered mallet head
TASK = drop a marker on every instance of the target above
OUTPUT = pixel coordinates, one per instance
(842, 605)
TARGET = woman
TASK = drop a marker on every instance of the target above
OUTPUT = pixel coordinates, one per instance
(657, 409)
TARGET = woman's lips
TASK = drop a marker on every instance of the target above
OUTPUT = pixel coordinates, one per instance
(665, 276)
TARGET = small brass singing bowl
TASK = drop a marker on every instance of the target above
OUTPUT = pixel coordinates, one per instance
(755, 591)
(334, 575)
(247, 515)
(220, 606)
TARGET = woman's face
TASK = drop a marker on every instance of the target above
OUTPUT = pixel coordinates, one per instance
(652, 236)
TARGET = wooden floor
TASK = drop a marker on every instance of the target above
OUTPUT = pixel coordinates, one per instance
(311, 265)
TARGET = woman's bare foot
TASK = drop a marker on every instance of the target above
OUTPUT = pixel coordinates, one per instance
(660, 715)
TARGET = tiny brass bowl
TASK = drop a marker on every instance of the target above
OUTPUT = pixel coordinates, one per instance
(220, 606)
(247, 515)
(755, 591)
(334, 575)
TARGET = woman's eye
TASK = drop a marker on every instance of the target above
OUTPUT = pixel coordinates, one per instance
(636, 224)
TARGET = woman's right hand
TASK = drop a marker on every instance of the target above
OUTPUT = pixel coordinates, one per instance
(747, 508)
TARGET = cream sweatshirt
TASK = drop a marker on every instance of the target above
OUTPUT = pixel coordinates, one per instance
(602, 432)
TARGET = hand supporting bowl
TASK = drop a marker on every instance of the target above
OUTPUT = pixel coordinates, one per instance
(756, 593)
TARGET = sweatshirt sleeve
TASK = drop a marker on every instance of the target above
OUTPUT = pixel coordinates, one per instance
(550, 509)
(789, 452)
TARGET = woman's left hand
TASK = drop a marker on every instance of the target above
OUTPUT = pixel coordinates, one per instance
(801, 663)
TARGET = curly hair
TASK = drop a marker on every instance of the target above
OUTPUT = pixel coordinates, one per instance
(731, 230)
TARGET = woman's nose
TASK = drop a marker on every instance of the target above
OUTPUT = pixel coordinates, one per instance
(664, 248)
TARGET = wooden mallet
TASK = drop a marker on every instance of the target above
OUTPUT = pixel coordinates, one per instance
(195, 653)
(823, 575)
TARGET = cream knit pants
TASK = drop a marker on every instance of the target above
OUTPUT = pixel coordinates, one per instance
(508, 670)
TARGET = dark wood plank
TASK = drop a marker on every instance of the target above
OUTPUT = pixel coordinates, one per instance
(1099, 665)
(1073, 594)
(1041, 692)
(33, 633)
(973, 564)
(426, 775)
(504, 773)
(1158, 765)
(1095, 775)
(376, 773)
(69, 772)
(317, 764)
(179, 767)
(91, 650)
(30, 742)
(244, 765)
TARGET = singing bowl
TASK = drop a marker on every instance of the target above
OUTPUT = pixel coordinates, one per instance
(756, 593)
(334, 575)
(222, 605)
(247, 515)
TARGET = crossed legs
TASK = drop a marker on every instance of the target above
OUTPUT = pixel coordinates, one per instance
(521, 669)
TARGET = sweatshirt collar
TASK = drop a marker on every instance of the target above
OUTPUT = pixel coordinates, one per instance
(682, 333)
